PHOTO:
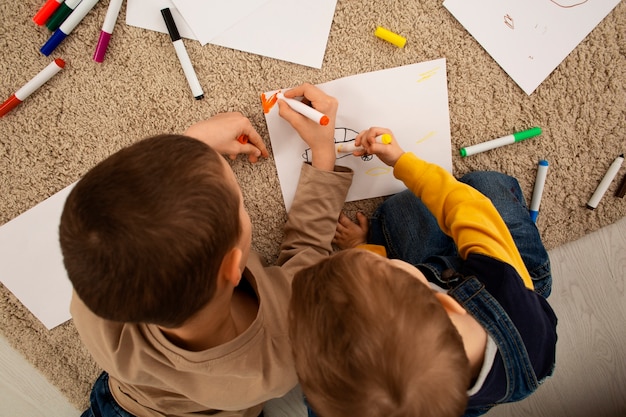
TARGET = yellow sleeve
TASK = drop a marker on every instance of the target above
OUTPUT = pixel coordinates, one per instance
(377, 249)
(462, 212)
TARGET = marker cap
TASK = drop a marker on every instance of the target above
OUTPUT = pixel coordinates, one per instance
(59, 17)
(9, 104)
(389, 36)
(46, 11)
(532, 132)
(101, 46)
(57, 37)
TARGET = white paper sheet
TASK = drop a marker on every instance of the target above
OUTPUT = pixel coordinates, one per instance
(529, 38)
(207, 19)
(31, 264)
(410, 100)
(277, 29)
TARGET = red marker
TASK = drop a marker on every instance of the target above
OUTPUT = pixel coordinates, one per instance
(243, 139)
(31, 86)
(46, 11)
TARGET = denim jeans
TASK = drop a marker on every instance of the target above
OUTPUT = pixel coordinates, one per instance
(408, 231)
(102, 403)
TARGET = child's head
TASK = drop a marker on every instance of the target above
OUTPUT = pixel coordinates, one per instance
(144, 232)
(371, 339)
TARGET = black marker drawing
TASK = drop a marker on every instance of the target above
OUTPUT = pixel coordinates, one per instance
(342, 135)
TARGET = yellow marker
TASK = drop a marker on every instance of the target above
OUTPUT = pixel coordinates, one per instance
(349, 147)
(389, 36)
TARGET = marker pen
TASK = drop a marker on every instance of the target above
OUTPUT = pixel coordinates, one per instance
(68, 26)
(305, 110)
(606, 181)
(46, 11)
(183, 56)
(496, 143)
(349, 147)
(243, 139)
(540, 181)
(107, 29)
(61, 14)
(31, 86)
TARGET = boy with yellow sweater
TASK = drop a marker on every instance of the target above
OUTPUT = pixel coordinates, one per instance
(454, 323)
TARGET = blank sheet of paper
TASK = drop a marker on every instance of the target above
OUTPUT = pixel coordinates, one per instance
(529, 38)
(31, 264)
(289, 30)
(411, 100)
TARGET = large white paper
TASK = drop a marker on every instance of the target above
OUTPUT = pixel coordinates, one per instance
(31, 264)
(529, 38)
(289, 30)
(410, 100)
(207, 19)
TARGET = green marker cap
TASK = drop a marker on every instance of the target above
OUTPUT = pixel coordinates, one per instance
(532, 132)
(463, 152)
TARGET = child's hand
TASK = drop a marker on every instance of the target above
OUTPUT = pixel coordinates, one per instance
(349, 234)
(319, 138)
(222, 131)
(388, 153)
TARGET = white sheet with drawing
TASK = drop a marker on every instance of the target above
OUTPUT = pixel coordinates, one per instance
(411, 100)
(529, 38)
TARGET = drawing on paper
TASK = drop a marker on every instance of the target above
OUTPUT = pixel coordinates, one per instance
(342, 135)
(568, 4)
(508, 20)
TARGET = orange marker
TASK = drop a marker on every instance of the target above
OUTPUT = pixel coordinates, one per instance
(243, 139)
(306, 111)
(46, 11)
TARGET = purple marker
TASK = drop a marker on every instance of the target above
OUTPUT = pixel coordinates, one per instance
(107, 29)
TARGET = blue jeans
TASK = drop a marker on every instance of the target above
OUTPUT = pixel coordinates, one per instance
(408, 231)
(102, 403)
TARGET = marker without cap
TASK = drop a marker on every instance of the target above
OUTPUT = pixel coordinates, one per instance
(183, 56)
(606, 181)
(496, 143)
(107, 29)
(68, 26)
(349, 147)
(31, 86)
(305, 110)
(46, 11)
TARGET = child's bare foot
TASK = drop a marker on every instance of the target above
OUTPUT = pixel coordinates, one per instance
(350, 234)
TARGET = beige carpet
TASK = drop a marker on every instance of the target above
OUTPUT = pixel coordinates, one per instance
(91, 110)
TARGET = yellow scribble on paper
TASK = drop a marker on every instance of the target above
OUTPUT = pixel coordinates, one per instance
(426, 75)
(374, 172)
(426, 137)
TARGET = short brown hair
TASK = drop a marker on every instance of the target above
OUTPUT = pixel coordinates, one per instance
(369, 339)
(144, 232)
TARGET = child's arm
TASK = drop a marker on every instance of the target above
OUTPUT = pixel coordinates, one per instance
(461, 211)
(223, 132)
(322, 187)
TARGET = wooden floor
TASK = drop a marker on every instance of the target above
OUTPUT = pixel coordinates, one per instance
(590, 379)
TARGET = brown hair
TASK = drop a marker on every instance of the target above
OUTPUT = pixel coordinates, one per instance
(369, 339)
(144, 232)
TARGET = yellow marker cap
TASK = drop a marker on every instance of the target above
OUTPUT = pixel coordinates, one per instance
(389, 36)
(385, 138)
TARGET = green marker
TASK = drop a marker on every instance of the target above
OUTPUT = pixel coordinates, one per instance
(496, 143)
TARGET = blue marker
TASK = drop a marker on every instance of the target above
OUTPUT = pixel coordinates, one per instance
(542, 172)
(68, 26)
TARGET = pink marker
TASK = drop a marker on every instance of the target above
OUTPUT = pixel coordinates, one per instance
(107, 29)
(46, 11)
(31, 86)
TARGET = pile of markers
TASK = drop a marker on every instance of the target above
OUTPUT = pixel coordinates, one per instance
(62, 17)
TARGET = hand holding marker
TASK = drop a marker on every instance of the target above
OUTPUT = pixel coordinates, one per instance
(304, 110)
(349, 147)
(30, 87)
(496, 143)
